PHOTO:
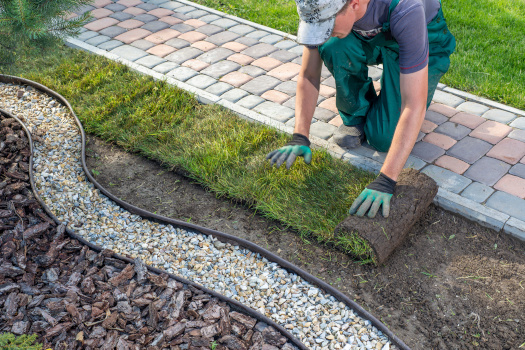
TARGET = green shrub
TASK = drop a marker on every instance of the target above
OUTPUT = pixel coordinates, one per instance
(37, 22)
(9, 341)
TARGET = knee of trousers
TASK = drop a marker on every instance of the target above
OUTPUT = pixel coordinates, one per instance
(380, 140)
(346, 54)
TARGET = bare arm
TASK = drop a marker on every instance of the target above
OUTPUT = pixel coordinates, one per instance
(307, 90)
(414, 87)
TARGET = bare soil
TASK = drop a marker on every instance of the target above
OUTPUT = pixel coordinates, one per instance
(452, 284)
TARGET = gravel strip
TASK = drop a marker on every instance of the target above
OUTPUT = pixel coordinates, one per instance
(314, 317)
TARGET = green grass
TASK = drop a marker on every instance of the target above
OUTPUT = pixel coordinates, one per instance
(210, 144)
(490, 57)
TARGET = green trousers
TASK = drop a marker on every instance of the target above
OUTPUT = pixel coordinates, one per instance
(347, 59)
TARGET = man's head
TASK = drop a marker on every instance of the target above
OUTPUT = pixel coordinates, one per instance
(320, 19)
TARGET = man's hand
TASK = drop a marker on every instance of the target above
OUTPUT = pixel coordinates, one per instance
(299, 146)
(377, 194)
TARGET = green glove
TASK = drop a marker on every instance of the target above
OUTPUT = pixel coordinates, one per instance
(298, 147)
(377, 194)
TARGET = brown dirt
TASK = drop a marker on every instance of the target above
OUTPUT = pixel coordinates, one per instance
(453, 284)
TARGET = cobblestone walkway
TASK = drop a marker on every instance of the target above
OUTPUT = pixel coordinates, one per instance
(474, 148)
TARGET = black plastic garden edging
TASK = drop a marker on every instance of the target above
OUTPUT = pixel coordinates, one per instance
(223, 237)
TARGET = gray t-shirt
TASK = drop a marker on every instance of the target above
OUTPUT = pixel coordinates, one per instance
(408, 25)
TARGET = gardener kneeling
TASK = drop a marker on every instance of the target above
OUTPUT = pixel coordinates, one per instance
(411, 39)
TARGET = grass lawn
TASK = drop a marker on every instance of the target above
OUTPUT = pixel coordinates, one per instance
(490, 57)
(208, 143)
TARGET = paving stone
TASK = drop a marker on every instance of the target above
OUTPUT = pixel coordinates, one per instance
(129, 52)
(181, 16)
(511, 184)
(285, 44)
(508, 150)
(216, 55)
(487, 170)
(204, 46)
(160, 12)
(288, 87)
(469, 149)
(297, 49)
(322, 130)
(259, 50)
(97, 40)
(518, 170)
(171, 5)
(155, 26)
(209, 18)
(196, 65)
(177, 43)
(275, 111)
(368, 151)
(235, 46)
(258, 34)
(192, 36)
(184, 54)
(252, 71)
(242, 29)
(161, 50)
(157, 2)
(518, 123)
(241, 59)
(84, 8)
(143, 44)
(427, 126)
(130, 24)
(420, 136)
(165, 67)
(128, 3)
(209, 29)
(330, 82)
(447, 179)
(182, 73)
(330, 104)
(115, 8)
(507, 204)
(325, 90)
(259, 85)
(516, 228)
(453, 130)
(181, 27)
(491, 131)
(150, 61)
(447, 99)
(473, 108)
(112, 31)
(225, 23)
(234, 95)
(469, 120)
(247, 41)
(121, 16)
(432, 116)
(266, 63)
(291, 103)
(197, 14)
(133, 35)
(222, 37)
(427, 151)
(221, 68)
(452, 164)
(325, 73)
(285, 71)
(271, 39)
(171, 20)
(162, 36)
(110, 45)
(146, 18)
(236, 78)
(283, 55)
(443, 109)
(195, 23)
(517, 135)
(477, 192)
(87, 35)
(471, 210)
(201, 81)
(374, 72)
(186, 9)
(250, 101)
(413, 162)
(499, 115)
(275, 96)
(135, 11)
(101, 13)
(218, 88)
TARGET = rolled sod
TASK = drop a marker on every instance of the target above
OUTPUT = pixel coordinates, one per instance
(414, 193)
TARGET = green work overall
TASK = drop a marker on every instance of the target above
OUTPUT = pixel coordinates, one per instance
(347, 59)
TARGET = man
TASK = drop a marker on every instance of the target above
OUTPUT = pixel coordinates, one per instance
(411, 39)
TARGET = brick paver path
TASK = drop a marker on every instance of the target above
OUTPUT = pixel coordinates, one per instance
(473, 148)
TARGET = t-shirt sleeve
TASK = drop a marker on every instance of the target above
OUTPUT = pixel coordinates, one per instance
(409, 28)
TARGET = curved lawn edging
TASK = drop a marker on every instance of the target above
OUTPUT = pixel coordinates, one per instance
(223, 237)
